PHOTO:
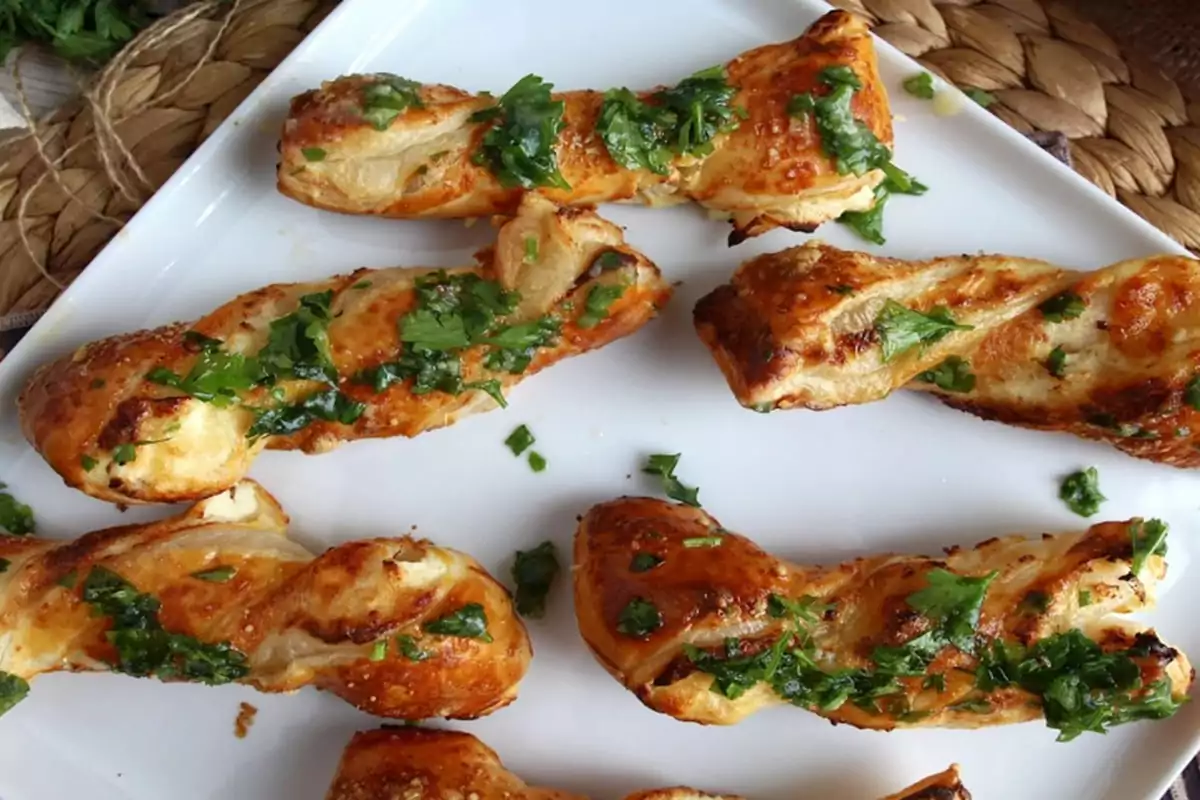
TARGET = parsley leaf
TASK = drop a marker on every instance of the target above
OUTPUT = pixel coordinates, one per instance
(1056, 362)
(1191, 393)
(644, 562)
(953, 603)
(144, 648)
(385, 99)
(217, 377)
(519, 147)
(216, 574)
(534, 571)
(329, 405)
(599, 299)
(16, 518)
(298, 343)
(920, 85)
(639, 618)
(664, 465)
(1062, 307)
(900, 329)
(410, 649)
(1081, 492)
(468, 622)
(79, 30)
(847, 140)
(313, 154)
(952, 375)
(981, 97)
(1149, 538)
(537, 462)
(519, 440)
(13, 690)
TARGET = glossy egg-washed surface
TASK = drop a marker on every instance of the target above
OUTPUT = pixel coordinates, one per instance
(770, 171)
(796, 329)
(300, 619)
(76, 411)
(708, 594)
(416, 764)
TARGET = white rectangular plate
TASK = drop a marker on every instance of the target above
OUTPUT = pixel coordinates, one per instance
(907, 474)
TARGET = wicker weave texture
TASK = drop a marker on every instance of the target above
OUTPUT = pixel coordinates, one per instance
(66, 189)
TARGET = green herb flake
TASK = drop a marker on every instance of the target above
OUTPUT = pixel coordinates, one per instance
(901, 329)
(534, 572)
(410, 649)
(387, 97)
(519, 147)
(468, 622)
(1035, 602)
(1085, 598)
(600, 298)
(362, 285)
(1081, 492)
(69, 580)
(216, 574)
(87, 462)
(952, 375)
(16, 518)
(920, 85)
(1062, 307)
(329, 405)
(869, 224)
(981, 97)
(683, 120)
(977, 705)
(13, 690)
(379, 650)
(1148, 538)
(519, 440)
(644, 562)
(703, 541)
(663, 465)
(953, 603)
(4, 565)
(144, 647)
(1191, 393)
(313, 153)
(537, 462)
(1056, 362)
(609, 260)
(843, 289)
(531, 250)
(639, 619)
(935, 681)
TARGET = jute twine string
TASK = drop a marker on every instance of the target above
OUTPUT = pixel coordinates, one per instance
(69, 185)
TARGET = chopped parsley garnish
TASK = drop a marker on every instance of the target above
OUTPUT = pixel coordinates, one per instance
(1056, 362)
(935, 681)
(900, 329)
(362, 285)
(454, 312)
(379, 650)
(664, 465)
(13, 690)
(599, 299)
(682, 120)
(1191, 393)
(703, 541)
(974, 705)
(69, 580)
(217, 377)
(329, 405)
(531, 249)
(869, 224)
(952, 375)
(1085, 598)
(519, 147)
(920, 85)
(386, 98)
(1062, 307)
(298, 343)
(519, 440)
(644, 562)
(144, 648)
(468, 622)
(537, 461)
(841, 288)
(313, 153)
(1081, 492)
(981, 97)
(87, 462)
(124, 453)
(1035, 602)
(1149, 538)
(639, 618)
(1081, 687)
(534, 572)
(410, 649)
(16, 518)
(216, 574)
(4, 565)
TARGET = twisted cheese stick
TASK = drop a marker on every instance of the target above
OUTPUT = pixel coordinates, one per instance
(417, 763)
(225, 572)
(800, 328)
(770, 171)
(80, 412)
(651, 557)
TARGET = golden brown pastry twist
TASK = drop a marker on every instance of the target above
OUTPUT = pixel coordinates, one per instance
(417, 763)
(770, 171)
(704, 626)
(1112, 355)
(142, 417)
(397, 627)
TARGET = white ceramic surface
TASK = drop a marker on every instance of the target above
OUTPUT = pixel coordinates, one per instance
(904, 474)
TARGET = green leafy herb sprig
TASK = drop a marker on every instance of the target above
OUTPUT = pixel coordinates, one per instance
(519, 147)
(79, 30)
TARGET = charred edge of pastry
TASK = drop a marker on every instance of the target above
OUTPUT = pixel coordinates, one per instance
(741, 341)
